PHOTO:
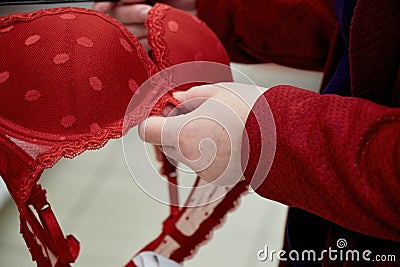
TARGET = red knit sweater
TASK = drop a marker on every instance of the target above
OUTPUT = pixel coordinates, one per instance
(336, 157)
(339, 157)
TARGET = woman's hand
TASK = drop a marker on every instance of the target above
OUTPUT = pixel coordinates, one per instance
(133, 13)
(208, 137)
(186, 5)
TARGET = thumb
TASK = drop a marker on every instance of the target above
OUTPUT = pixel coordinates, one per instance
(150, 130)
(162, 131)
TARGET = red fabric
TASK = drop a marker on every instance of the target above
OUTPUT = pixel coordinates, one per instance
(66, 78)
(176, 37)
(335, 157)
(374, 51)
(189, 244)
(51, 236)
(292, 33)
(339, 157)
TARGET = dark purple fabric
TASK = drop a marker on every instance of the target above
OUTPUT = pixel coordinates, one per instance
(340, 81)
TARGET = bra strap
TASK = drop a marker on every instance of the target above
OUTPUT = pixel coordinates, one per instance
(48, 231)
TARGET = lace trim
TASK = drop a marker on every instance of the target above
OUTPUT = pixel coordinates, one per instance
(23, 133)
(68, 145)
(143, 57)
(229, 204)
(156, 30)
(155, 33)
(71, 149)
(204, 233)
(68, 150)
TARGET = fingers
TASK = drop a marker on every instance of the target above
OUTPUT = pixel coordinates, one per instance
(145, 44)
(150, 130)
(130, 14)
(160, 131)
(203, 91)
(132, 1)
(196, 152)
(139, 30)
(103, 7)
(164, 133)
(171, 110)
(195, 96)
(126, 11)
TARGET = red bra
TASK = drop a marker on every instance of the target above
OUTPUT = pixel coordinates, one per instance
(66, 78)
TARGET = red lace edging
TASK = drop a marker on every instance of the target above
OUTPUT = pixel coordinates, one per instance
(155, 32)
(68, 145)
(207, 227)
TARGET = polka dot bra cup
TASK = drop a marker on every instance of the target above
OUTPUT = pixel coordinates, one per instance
(67, 76)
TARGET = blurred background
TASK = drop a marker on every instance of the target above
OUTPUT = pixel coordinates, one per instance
(96, 199)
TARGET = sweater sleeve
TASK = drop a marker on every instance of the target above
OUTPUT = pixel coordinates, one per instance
(292, 33)
(336, 157)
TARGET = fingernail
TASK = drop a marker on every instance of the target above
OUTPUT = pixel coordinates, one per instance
(179, 95)
(145, 11)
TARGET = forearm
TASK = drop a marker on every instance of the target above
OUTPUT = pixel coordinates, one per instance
(335, 157)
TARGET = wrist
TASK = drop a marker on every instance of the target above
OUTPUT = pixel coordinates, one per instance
(247, 95)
